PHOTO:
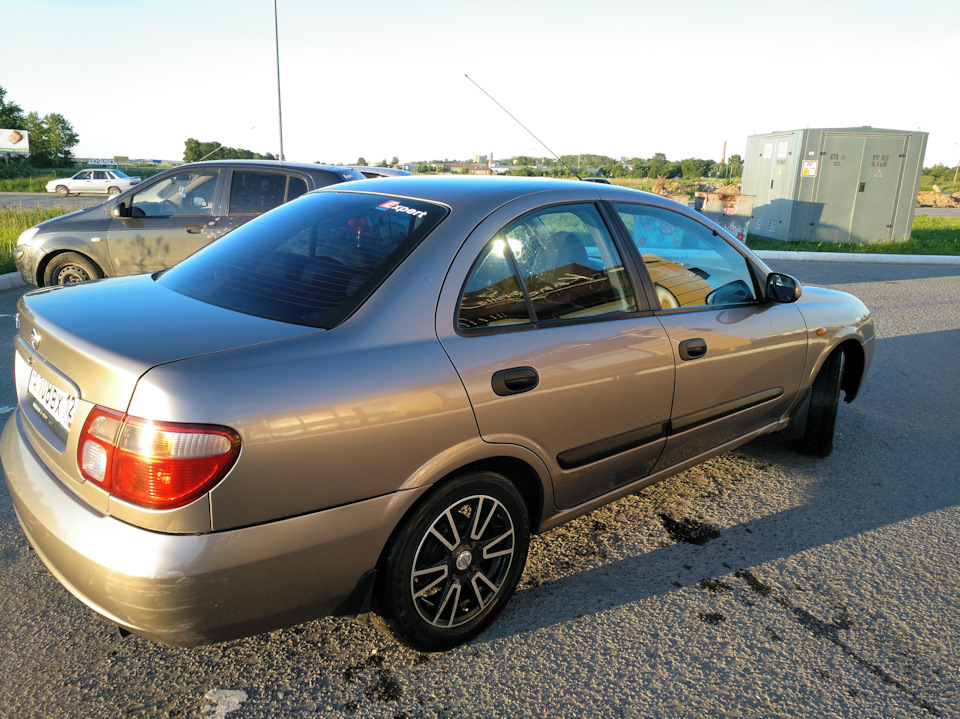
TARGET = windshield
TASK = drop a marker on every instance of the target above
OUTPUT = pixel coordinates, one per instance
(312, 261)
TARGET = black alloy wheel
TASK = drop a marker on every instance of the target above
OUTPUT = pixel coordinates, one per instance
(454, 563)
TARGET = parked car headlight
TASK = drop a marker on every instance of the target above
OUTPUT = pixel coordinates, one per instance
(26, 236)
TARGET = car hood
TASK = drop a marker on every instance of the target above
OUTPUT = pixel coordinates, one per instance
(103, 336)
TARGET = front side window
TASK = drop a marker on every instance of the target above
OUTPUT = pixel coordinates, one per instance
(185, 193)
(690, 265)
(310, 262)
(558, 263)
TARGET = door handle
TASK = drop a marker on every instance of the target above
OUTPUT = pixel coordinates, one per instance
(194, 229)
(693, 349)
(515, 380)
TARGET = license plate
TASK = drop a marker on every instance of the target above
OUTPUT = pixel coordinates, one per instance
(54, 405)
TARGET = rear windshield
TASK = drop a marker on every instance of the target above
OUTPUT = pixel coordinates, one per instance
(310, 262)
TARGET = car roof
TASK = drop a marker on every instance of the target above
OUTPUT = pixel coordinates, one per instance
(266, 164)
(492, 190)
(380, 171)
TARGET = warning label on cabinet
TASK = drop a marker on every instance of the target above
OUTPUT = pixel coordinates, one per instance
(809, 168)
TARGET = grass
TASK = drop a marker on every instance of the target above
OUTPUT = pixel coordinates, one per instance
(930, 236)
(13, 222)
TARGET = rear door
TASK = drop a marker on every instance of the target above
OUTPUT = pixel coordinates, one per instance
(101, 179)
(252, 192)
(170, 219)
(541, 321)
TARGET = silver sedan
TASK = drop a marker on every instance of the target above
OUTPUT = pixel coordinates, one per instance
(95, 182)
(365, 401)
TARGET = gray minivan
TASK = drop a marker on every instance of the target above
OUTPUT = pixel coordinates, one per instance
(157, 223)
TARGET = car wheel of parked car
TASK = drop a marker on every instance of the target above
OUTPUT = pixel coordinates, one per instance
(69, 268)
(454, 563)
(817, 438)
(113, 191)
(62, 190)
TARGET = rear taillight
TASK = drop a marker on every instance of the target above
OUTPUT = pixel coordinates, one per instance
(158, 465)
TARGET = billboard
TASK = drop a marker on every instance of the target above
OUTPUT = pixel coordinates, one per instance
(15, 141)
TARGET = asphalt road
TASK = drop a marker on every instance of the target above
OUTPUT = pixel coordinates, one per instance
(833, 589)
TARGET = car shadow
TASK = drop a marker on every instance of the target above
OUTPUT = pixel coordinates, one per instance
(895, 459)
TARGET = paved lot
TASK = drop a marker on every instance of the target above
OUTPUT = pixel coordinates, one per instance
(833, 589)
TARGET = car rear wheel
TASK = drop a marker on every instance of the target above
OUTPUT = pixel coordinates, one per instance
(62, 190)
(70, 268)
(454, 563)
(113, 191)
(817, 438)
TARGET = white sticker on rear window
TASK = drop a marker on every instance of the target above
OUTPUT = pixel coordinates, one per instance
(396, 206)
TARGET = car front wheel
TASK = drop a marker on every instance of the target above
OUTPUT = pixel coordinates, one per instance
(62, 191)
(70, 268)
(454, 563)
(817, 438)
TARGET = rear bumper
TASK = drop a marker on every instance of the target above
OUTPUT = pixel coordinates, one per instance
(195, 589)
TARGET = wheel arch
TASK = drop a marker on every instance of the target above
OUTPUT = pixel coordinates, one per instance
(855, 365)
(45, 261)
(522, 475)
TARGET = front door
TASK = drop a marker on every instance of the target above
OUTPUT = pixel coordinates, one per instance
(169, 220)
(739, 359)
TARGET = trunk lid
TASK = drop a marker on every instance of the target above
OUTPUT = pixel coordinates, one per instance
(89, 344)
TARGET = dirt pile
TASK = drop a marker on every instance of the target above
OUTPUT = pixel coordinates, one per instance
(719, 188)
(937, 199)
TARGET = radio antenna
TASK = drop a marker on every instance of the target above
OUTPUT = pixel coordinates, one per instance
(555, 155)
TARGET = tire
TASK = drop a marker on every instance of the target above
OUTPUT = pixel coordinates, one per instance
(70, 268)
(111, 191)
(454, 563)
(62, 191)
(817, 438)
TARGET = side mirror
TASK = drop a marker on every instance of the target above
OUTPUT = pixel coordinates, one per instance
(121, 209)
(782, 288)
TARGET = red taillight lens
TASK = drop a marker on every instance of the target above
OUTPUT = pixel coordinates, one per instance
(158, 465)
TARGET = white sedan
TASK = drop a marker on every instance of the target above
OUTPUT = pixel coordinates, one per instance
(100, 182)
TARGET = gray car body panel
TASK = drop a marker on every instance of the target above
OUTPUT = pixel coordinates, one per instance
(344, 429)
(150, 244)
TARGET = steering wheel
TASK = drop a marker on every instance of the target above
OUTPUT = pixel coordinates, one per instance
(667, 299)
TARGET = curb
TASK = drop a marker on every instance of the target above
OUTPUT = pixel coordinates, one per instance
(10, 281)
(865, 257)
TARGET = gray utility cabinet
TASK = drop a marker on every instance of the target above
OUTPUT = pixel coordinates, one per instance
(852, 184)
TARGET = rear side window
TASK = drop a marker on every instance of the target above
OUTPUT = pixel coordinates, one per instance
(310, 262)
(254, 192)
(555, 264)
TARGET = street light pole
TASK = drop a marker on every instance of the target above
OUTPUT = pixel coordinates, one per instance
(276, 37)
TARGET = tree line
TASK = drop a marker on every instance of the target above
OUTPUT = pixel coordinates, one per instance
(52, 137)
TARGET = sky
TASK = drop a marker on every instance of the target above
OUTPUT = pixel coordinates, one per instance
(378, 78)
